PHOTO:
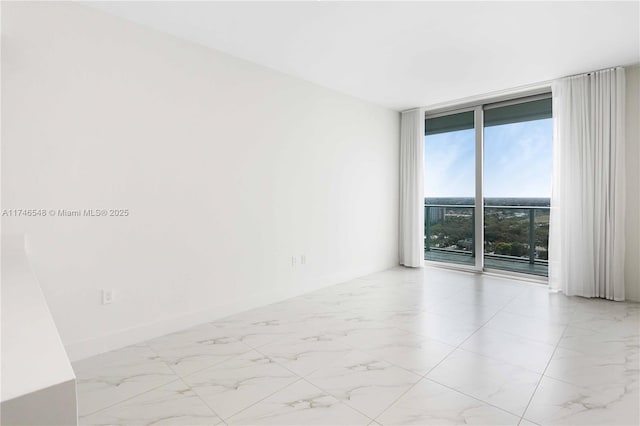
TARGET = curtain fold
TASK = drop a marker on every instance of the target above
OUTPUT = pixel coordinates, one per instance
(586, 238)
(411, 219)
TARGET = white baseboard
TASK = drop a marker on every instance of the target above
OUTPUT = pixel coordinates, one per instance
(140, 333)
(84, 349)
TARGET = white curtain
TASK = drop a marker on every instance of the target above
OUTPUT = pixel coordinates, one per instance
(586, 246)
(411, 244)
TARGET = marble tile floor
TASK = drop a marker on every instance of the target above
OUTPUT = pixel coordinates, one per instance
(403, 346)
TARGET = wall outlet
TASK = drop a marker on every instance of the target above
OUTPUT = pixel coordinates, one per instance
(303, 259)
(107, 297)
(294, 261)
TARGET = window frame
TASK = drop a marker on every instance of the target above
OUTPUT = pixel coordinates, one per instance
(478, 107)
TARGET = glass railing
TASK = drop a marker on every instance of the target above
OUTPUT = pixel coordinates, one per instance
(516, 237)
(449, 233)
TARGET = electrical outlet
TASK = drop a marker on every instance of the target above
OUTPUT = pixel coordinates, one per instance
(294, 261)
(107, 297)
(303, 259)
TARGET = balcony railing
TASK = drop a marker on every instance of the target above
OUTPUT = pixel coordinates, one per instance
(516, 237)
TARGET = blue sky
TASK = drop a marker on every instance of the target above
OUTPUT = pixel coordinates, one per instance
(518, 161)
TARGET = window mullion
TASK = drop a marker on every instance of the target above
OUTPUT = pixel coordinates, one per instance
(479, 204)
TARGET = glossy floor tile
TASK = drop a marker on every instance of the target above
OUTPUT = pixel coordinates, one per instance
(496, 382)
(234, 385)
(431, 403)
(115, 376)
(364, 382)
(560, 403)
(509, 348)
(403, 346)
(172, 404)
(299, 404)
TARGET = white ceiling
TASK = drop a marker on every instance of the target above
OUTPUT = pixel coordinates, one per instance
(407, 54)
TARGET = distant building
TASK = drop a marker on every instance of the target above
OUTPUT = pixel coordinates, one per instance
(436, 214)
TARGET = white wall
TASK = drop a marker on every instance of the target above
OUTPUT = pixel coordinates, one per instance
(632, 257)
(227, 168)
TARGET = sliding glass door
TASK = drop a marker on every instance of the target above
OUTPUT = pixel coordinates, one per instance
(488, 186)
(450, 182)
(517, 185)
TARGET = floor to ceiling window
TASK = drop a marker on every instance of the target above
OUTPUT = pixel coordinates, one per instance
(450, 186)
(488, 186)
